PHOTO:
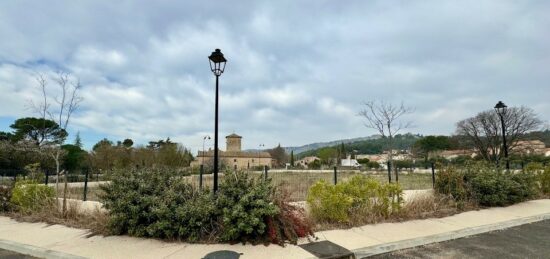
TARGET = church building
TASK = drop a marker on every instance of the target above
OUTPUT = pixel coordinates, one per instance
(234, 157)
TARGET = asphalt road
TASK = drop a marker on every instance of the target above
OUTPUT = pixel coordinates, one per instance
(526, 241)
(5, 254)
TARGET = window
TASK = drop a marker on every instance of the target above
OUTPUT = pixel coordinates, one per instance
(235, 160)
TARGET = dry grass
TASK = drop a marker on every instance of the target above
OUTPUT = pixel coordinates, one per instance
(95, 221)
(77, 193)
(298, 183)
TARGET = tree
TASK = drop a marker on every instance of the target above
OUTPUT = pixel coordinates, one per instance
(327, 155)
(6, 136)
(64, 105)
(74, 157)
(484, 131)
(386, 118)
(429, 144)
(78, 140)
(292, 158)
(128, 143)
(279, 154)
(38, 130)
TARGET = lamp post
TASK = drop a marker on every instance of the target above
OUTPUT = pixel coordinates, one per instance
(217, 66)
(260, 150)
(204, 140)
(500, 108)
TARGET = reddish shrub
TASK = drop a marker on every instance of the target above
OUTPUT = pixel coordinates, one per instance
(290, 223)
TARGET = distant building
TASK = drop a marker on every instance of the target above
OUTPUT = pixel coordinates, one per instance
(304, 162)
(452, 154)
(234, 157)
(529, 147)
(349, 162)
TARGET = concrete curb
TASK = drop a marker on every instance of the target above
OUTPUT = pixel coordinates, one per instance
(420, 241)
(35, 251)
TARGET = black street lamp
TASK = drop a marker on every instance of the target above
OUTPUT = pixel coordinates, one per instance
(217, 65)
(500, 108)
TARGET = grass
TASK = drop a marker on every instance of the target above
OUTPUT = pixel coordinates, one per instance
(298, 183)
(77, 193)
(295, 183)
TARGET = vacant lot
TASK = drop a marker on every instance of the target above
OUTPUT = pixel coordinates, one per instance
(296, 183)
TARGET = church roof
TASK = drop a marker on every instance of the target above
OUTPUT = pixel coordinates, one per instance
(233, 136)
(235, 154)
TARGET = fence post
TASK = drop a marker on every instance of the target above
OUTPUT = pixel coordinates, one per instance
(265, 172)
(397, 175)
(522, 165)
(389, 171)
(433, 175)
(47, 172)
(201, 171)
(335, 175)
(85, 184)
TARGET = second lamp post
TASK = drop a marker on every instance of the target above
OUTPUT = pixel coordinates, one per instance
(217, 65)
(500, 108)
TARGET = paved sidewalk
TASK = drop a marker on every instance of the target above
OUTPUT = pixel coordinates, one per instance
(363, 241)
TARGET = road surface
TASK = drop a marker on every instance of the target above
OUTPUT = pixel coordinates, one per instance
(526, 241)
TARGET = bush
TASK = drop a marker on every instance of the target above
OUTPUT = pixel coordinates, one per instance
(290, 223)
(486, 185)
(450, 181)
(161, 204)
(544, 180)
(157, 204)
(5, 197)
(360, 197)
(245, 204)
(28, 196)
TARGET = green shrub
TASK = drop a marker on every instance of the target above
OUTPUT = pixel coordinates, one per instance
(486, 185)
(450, 181)
(544, 180)
(161, 204)
(5, 197)
(29, 196)
(360, 196)
(157, 203)
(245, 204)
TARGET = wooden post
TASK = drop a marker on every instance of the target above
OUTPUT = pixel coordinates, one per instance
(335, 175)
(433, 175)
(389, 171)
(85, 185)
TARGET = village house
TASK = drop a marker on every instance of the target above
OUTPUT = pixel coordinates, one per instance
(304, 162)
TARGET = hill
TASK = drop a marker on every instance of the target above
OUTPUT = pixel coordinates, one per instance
(371, 145)
(313, 146)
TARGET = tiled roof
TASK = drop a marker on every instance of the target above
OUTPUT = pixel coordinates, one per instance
(233, 136)
(235, 154)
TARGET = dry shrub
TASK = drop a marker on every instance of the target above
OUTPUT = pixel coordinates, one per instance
(290, 223)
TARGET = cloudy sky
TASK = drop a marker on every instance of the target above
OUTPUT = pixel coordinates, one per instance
(297, 73)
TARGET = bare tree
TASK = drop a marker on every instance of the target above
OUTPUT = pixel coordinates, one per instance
(386, 118)
(66, 101)
(484, 131)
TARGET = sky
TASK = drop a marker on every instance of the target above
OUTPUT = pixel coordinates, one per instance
(298, 71)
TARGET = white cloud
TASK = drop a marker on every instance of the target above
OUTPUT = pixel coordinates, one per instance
(297, 71)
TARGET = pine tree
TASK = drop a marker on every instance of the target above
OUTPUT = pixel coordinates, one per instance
(292, 158)
(78, 140)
